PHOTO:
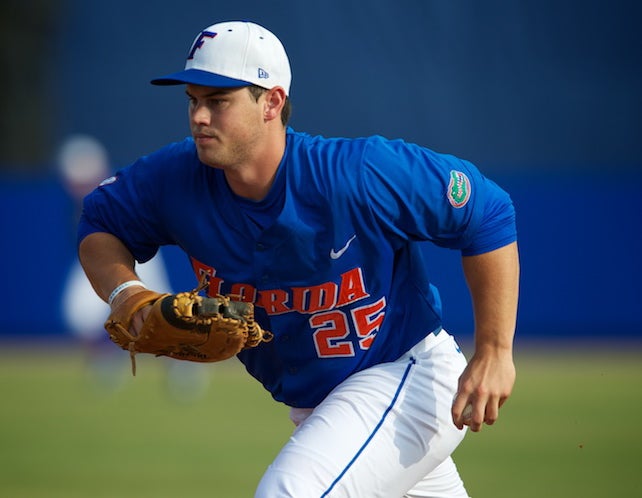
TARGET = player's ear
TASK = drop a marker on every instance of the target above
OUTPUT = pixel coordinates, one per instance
(274, 102)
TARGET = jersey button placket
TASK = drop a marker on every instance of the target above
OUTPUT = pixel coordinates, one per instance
(262, 258)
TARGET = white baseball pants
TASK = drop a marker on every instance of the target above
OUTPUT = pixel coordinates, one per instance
(384, 432)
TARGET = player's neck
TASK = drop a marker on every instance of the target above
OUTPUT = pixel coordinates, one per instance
(254, 179)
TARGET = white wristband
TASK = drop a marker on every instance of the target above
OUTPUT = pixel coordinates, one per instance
(122, 287)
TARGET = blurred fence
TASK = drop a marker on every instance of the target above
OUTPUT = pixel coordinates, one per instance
(543, 95)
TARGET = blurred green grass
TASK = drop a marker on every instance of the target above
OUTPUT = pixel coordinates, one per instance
(570, 429)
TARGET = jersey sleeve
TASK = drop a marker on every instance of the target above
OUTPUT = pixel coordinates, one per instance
(418, 194)
(128, 205)
(497, 227)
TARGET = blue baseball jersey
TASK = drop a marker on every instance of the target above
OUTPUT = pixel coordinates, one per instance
(334, 257)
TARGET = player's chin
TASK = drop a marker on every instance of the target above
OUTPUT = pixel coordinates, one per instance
(207, 156)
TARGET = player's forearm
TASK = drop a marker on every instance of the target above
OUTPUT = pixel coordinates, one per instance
(106, 261)
(493, 280)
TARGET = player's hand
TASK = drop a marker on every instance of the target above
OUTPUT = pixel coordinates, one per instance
(137, 320)
(485, 385)
(139, 317)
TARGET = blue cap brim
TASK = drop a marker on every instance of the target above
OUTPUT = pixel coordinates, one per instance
(199, 77)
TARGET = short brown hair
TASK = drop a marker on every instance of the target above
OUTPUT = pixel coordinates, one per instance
(286, 112)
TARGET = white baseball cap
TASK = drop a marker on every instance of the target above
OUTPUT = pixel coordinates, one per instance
(234, 54)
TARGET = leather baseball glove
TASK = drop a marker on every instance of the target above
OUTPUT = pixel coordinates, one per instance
(186, 326)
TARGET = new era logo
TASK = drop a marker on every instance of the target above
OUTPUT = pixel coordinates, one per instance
(263, 74)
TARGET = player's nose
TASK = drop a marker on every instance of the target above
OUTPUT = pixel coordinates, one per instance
(200, 115)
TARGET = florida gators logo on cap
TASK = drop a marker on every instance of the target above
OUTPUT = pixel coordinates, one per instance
(458, 189)
(199, 42)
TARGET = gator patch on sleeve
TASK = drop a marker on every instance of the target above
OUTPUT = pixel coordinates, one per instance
(458, 189)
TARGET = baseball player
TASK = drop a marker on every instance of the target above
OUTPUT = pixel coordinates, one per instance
(327, 238)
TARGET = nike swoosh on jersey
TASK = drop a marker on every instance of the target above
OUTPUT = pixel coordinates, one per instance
(337, 254)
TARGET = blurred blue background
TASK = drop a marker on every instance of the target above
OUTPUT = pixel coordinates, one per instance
(544, 96)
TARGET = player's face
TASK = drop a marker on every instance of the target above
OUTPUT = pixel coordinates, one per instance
(226, 123)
